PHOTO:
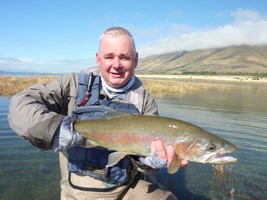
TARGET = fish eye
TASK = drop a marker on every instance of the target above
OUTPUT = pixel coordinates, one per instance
(212, 147)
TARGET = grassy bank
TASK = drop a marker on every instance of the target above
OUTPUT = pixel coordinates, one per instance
(10, 85)
(155, 84)
(163, 87)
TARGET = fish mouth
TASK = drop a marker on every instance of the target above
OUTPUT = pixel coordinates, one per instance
(221, 156)
(220, 159)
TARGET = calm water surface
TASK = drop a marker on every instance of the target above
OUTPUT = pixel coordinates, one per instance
(238, 113)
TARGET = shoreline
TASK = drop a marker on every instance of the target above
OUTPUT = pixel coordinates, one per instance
(208, 78)
(217, 78)
(10, 85)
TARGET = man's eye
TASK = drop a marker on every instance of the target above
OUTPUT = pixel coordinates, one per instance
(108, 57)
(125, 58)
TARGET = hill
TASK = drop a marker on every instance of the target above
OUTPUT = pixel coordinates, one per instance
(242, 59)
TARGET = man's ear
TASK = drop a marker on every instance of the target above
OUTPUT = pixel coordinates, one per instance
(97, 59)
(136, 59)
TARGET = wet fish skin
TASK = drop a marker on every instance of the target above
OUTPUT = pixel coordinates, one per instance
(132, 135)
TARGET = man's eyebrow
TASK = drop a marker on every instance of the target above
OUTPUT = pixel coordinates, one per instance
(108, 54)
(121, 54)
(126, 54)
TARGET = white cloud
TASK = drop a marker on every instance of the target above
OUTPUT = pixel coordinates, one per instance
(248, 27)
(242, 15)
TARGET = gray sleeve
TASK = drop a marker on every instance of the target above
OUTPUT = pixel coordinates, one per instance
(36, 113)
(150, 105)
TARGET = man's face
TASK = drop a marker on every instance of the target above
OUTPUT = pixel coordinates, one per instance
(116, 60)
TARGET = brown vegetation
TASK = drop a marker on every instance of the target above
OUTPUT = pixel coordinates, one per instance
(10, 85)
(156, 85)
(171, 86)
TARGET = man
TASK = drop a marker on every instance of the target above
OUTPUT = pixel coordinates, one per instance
(44, 115)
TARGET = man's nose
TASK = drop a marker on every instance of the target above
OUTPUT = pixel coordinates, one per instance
(116, 62)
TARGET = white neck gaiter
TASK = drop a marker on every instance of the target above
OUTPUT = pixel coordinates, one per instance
(117, 92)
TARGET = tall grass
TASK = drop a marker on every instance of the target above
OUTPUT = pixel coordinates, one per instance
(163, 87)
(10, 85)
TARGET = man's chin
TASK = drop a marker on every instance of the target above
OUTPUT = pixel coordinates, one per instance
(116, 83)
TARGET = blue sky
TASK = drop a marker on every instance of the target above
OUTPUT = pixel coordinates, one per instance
(62, 35)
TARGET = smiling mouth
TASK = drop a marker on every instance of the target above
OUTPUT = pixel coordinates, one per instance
(117, 74)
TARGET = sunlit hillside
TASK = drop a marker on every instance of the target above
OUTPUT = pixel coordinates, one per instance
(229, 60)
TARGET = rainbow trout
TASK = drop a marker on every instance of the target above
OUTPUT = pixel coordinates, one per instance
(129, 134)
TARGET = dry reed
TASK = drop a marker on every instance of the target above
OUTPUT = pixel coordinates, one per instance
(163, 87)
(10, 85)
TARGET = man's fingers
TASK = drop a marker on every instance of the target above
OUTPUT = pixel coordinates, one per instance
(160, 150)
(171, 154)
(168, 154)
(153, 146)
(184, 163)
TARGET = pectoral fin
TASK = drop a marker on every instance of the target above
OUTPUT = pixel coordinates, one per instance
(114, 158)
(174, 165)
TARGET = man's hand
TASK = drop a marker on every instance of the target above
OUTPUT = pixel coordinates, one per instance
(160, 158)
(65, 136)
(168, 154)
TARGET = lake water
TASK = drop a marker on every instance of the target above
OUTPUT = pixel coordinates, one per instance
(237, 113)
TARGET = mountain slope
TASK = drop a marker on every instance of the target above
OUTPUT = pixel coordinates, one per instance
(233, 59)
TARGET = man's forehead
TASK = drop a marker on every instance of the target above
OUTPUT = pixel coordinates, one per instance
(114, 53)
(117, 39)
(112, 46)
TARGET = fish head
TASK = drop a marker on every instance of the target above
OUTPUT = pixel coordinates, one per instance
(206, 148)
(216, 152)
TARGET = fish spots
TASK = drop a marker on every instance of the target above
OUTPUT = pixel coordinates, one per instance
(123, 142)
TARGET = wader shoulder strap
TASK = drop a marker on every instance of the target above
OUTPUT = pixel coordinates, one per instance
(88, 89)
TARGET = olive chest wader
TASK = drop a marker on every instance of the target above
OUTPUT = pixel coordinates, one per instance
(92, 161)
